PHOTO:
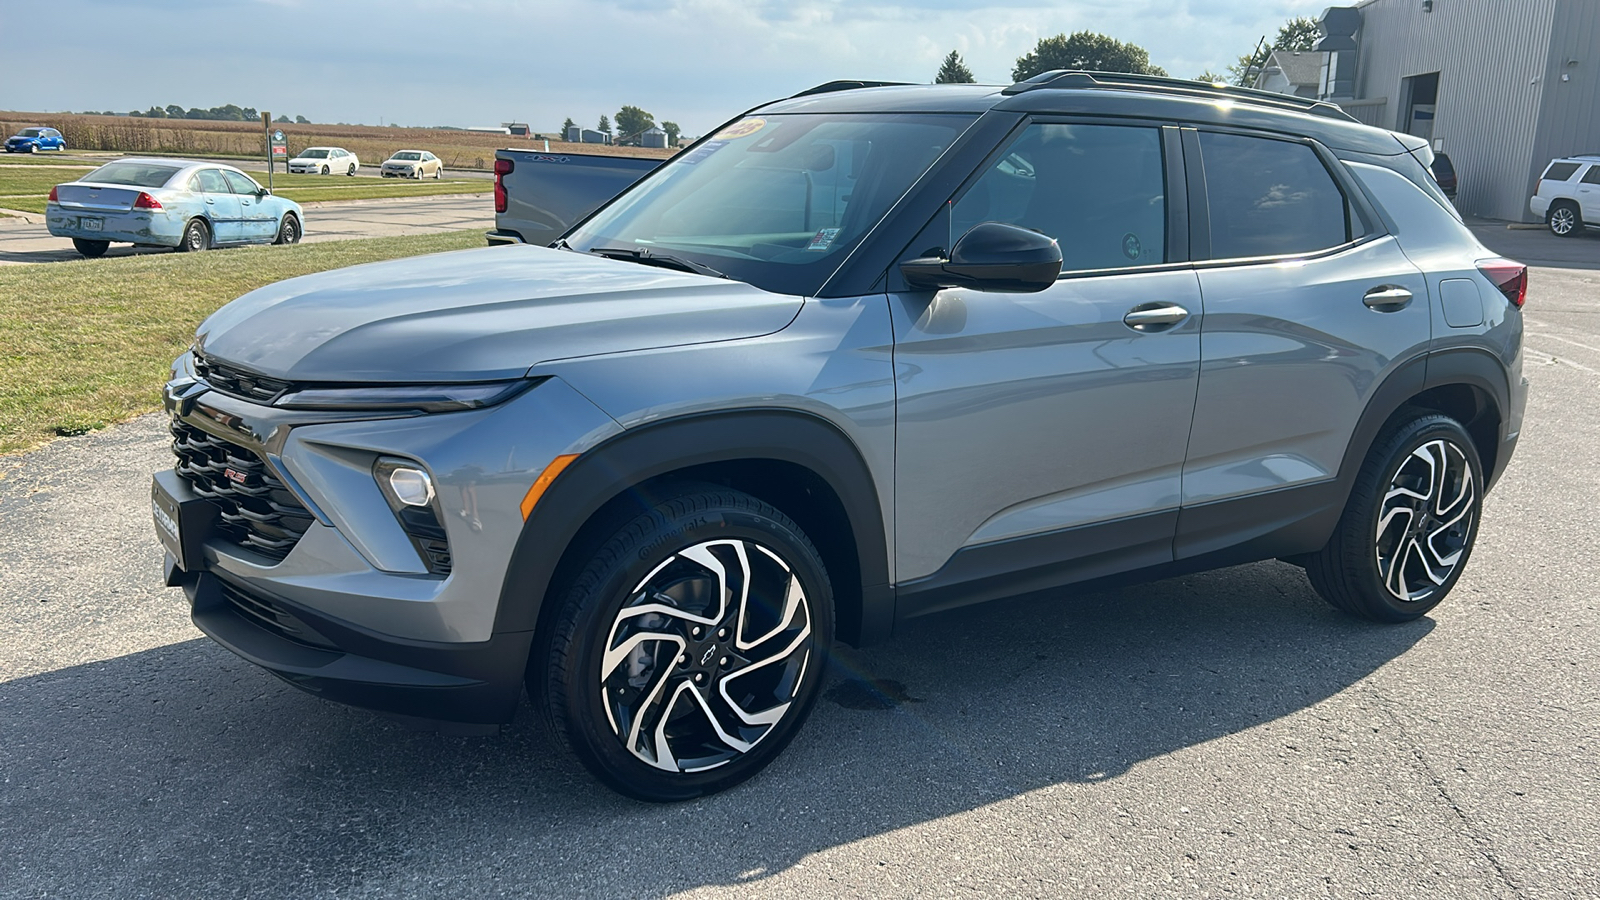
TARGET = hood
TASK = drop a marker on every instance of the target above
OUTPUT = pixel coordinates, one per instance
(478, 315)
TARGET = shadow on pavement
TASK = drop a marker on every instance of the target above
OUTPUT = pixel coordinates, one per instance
(183, 771)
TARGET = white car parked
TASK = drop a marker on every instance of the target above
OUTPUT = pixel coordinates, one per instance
(1568, 194)
(324, 161)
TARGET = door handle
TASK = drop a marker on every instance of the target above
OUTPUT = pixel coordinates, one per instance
(211, 201)
(1150, 317)
(1387, 298)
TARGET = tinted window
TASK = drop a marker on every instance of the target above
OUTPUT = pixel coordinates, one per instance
(132, 174)
(1099, 190)
(240, 184)
(211, 181)
(1269, 198)
(1560, 171)
(1592, 176)
(32, 132)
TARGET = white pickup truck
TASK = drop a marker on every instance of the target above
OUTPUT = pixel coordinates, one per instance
(538, 195)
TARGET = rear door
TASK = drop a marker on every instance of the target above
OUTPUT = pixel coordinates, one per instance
(1308, 306)
(1040, 432)
(221, 205)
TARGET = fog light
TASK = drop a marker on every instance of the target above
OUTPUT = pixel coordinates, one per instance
(411, 486)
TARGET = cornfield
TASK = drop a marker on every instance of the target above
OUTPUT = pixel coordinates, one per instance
(370, 143)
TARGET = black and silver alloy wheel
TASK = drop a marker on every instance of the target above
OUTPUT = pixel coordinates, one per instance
(1409, 525)
(1564, 220)
(706, 656)
(1425, 520)
(689, 649)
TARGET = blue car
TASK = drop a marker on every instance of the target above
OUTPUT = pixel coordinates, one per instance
(34, 139)
(170, 203)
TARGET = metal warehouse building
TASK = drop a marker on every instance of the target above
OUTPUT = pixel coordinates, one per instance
(1502, 86)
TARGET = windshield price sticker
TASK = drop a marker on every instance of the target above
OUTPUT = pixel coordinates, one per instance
(703, 151)
(741, 129)
(823, 239)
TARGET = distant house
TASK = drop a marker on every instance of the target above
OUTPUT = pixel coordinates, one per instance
(516, 129)
(1296, 72)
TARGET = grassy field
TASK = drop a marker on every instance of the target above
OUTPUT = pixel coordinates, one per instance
(24, 188)
(87, 344)
(370, 143)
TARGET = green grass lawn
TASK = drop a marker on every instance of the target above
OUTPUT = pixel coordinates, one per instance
(87, 344)
(24, 187)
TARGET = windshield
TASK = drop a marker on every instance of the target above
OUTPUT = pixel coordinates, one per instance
(31, 132)
(775, 201)
(147, 175)
(314, 154)
(407, 155)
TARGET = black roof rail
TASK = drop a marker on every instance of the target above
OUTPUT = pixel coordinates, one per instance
(1066, 78)
(832, 86)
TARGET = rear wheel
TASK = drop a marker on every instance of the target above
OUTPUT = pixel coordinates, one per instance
(288, 230)
(1409, 525)
(196, 237)
(352, 170)
(1564, 219)
(689, 650)
(91, 249)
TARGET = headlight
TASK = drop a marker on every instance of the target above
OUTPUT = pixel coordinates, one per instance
(419, 397)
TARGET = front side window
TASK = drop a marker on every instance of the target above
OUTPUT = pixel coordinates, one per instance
(776, 201)
(240, 183)
(32, 132)
(1270, 198)
(1559, 171)
(1099, 190)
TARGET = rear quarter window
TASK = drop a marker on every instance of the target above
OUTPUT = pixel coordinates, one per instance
(1559, 171)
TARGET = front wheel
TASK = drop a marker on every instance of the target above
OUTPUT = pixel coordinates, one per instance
(1564, 219)
(91, 249)
(438, 173)
(324, 170)
(352, 170)
(1409, 525)
(689, 650)
(196, 237)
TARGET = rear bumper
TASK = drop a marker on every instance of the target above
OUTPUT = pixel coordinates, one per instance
(476, 684)
(501, 236)
(1539, 206)
(159, 228)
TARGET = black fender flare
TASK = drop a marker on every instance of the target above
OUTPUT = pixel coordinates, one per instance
(659, 448)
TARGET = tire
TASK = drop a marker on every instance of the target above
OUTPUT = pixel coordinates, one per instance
(1564, 219)
(91, 249)
(666, 559)
(324, 170)
(438, 174)
(288, 230)
(351, 172)
(417, 173)
(33, 148)
(196, 237)
(1409, 525)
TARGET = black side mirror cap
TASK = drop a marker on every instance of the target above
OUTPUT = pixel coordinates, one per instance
(992, 256)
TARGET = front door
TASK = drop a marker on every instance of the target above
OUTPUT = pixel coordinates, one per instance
(1023, 417)
(256, 220)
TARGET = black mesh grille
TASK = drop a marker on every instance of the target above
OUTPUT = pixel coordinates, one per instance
(237, 382)
(268, 614)
(257, 511)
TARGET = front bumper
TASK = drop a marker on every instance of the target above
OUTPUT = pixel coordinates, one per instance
(367, 624)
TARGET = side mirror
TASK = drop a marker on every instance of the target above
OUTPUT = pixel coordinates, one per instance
(262, 192)
(992, 256)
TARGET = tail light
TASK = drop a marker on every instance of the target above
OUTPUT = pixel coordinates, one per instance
(145, 201)
(502, 168)
(52, 197)
(1509, 276)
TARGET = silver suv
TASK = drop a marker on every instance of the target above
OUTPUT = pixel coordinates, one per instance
(861, 355)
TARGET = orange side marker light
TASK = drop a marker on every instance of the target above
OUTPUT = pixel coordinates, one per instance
(542, 483)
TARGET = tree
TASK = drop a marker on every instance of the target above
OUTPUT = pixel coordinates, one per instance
(174, 111)
(282, 120)
(1211, 77)
(1086, 51)
(672, 130)
(567, 126)
(631, 121)
(605, 125)
(954, 71)
(1296, 34)
(155, 112)
(301, 120)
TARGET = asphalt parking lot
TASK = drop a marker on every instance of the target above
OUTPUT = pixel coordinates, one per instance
(1225, 734)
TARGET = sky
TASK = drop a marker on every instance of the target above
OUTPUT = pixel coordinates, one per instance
(483, 62)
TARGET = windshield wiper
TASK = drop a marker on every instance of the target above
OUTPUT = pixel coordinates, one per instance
(651, 258)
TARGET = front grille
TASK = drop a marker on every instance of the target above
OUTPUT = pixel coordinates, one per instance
(267, 613)
(237, 382)
(257, 511)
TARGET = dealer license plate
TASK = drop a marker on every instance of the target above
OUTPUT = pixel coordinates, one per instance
(89, 223)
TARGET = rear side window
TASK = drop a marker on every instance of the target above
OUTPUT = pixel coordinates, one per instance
(1099, 190)
(1559, 171)
(1592, 176)
(211, 182)
(1270, 198)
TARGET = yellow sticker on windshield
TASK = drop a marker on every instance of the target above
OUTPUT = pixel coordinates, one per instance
(741, 128)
